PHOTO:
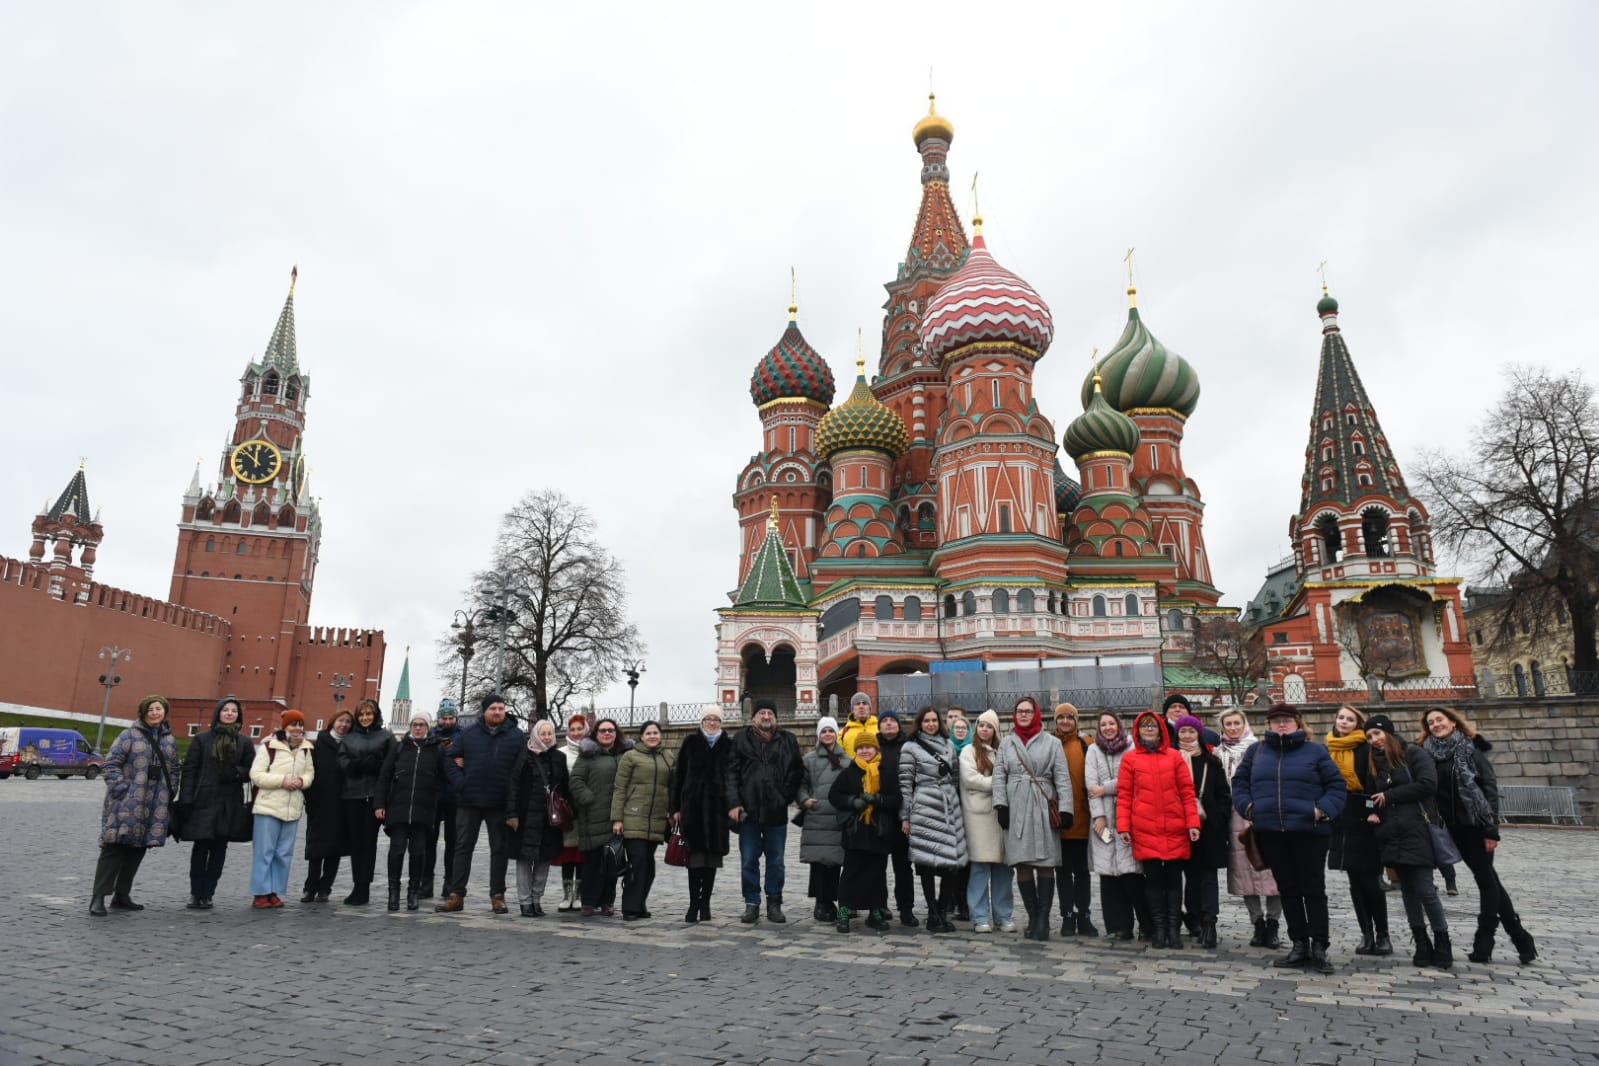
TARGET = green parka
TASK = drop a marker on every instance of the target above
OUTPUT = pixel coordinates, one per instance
(641, 799)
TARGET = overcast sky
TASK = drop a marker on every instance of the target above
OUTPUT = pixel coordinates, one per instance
(545, 247)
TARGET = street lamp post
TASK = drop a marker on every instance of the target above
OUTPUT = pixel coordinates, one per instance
(466, 626)
(632, 668)
(466, 629)
(339, 683)
(110, 679)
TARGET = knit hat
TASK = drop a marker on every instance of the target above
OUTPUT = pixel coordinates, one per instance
(420, 716)
(992, 718)
(765, 703)
(1174, 699)
(860, 697)
(448, 708)
(489, 699)
(856, 737)
(1065, 708)
(886, 715)
(1285, 710)
(1382, 722)
(149, 701)
(291, 717)
(825, 723)
(1190, 722)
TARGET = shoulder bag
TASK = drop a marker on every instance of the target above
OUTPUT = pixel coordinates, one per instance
(557, 811)
(1246, 835)
(1053, 804)
(676, 848)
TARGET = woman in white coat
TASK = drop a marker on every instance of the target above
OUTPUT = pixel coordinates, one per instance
(1121, 877)
(988, 888)
(1031, 781)
(281, 773)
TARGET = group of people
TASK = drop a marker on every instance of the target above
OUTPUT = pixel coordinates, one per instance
(971, 813)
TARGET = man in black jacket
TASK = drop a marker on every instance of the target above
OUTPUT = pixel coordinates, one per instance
(764, 773)
(446, 731)
(479, 766)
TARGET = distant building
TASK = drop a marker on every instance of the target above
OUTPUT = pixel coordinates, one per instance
(237, 617)
(1360, 602)
(1519, 657)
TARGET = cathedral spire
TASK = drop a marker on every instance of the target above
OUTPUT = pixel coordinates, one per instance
(74, 499)
(938, 243)
(282, 350)
(771, 580)
(1348, 456)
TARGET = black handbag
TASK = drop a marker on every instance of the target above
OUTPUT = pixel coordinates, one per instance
(241, 826)
(1444, 850)
(613, 858)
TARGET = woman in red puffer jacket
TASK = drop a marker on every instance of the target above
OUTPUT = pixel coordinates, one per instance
(1157, 812)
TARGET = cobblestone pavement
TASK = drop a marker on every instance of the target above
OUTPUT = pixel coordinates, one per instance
(333, 984)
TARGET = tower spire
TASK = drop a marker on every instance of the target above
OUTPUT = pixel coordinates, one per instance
(793, 295)
(282, 350)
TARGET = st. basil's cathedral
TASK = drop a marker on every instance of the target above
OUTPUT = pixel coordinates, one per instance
(926, 524)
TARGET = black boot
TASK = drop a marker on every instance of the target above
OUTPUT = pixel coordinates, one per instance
(774, 909)
(1085, 925)
(1443, 952)
(1029, 893)
(752, 913)
(1482, 944)
(1423, 955)
(1297, 956)
(394, 895)
(707, 882)
(124, 902)
(694, 878)
(1526, 948)
(1174, 907)
(1046, 903)
(1156, 898)
(908, 919)
(1272, 939)
(1383, 946)
(1319, 961)
(877, 919)
(412, 894)
(1207, 934)
(842, 921)
(97, 906)
(1259, 939)
(1368, 942)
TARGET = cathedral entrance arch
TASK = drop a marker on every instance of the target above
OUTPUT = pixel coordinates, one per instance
(770, 676)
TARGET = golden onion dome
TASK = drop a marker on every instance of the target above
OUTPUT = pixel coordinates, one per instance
(933, 125)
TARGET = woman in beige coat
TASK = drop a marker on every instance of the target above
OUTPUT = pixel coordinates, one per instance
(989, 880)
(281, 773)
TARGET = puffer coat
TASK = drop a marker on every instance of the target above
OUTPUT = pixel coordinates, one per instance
(1209, 852)
(486, 753)
(1104, 771)
(821, 838)
(1285, 781)
(593, 780)
(641, 798)
(929, 779)
(699, 792)
(324, 833)
(361, 759)
(1031, 840)
(1353, 845)
(212, 796)
(877, 835)
(411, 782)
(533, 778)
(1242, 877)
(141, 772)
(1157, 805)
(1408, 791)
(275, 762)
(985, 840)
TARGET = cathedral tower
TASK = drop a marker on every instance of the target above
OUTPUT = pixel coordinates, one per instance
(68, 526)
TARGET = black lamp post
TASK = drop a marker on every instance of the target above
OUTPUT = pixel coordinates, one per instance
(466, 635)
(110, 679)
(339, 683)
(632, 668)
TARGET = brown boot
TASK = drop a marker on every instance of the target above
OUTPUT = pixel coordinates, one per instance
(497, 903)
(454, 903)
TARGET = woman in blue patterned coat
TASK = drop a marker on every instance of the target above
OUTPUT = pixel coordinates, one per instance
(141, 779)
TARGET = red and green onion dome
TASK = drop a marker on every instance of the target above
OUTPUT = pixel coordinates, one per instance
(1100, 428)
(861, 422)
(983, 303)
(792, 370)
(1142, 372)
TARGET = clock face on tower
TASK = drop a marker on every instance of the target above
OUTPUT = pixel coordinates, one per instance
(297, 478)
(255, 462)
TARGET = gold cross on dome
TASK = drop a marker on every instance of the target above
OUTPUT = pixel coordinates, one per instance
(1321, 269)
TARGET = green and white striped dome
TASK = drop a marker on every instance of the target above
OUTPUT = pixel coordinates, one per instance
(1141, 372)
(1100, 428)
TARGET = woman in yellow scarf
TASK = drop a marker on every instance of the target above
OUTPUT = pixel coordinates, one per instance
(1353, 847)
(866, 813)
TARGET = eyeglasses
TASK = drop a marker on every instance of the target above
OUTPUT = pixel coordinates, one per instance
(606, 729)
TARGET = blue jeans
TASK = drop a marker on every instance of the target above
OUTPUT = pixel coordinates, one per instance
(757, 841)
(274, 850)
(989, 882)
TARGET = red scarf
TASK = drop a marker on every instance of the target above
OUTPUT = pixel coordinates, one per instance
(1027, 732)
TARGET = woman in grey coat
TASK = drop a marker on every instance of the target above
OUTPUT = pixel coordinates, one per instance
(1121, 877)
(821, 838)
(929, 778)
(1031, 772)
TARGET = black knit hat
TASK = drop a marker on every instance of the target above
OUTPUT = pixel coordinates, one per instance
(765, 704)
(1174, 699)
(1382, 722)
(489, 699)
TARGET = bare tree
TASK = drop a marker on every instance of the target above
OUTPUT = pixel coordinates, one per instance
(550, 614)
(1224, 646)
(1375, 659)
(1523, 507)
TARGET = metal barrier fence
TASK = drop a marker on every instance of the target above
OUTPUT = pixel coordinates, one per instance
(1128, 698)
(1557, 804)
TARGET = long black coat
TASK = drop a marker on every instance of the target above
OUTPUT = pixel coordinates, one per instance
(361, 758)
(1408, 791)
(528, 802)
(1209, 852)
(410, 783)
(324, 834)
(878, 834)
(212, 796)
(764, 777)
(1353, 845)
(889, 754)
(699, 792)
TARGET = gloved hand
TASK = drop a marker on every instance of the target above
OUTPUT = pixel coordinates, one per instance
(1003, 814)
(1066, 819)
(860, 803)
(869, 797)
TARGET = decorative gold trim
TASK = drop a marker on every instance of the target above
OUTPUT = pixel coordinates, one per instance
(1103, 454)
(818, 404)
(1178, 415)
(991, 346)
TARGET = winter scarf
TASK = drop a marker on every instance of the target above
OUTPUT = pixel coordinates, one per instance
(1342, 750)
(1458, 749)
(1117, 744)
(872, 782)
(535, 745)
(225, 752)
(1027, 732)
(960, 745)
(1232, 752)
(710, 738)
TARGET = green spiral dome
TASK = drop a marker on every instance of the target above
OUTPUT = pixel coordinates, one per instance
(1100, 428)
(861, 422)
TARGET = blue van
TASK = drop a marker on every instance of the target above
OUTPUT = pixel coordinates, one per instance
(33, 752)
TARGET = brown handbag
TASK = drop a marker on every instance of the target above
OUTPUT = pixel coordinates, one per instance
(1251, 846)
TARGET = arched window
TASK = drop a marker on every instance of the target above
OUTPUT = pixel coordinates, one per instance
(949, 606)
(924, 517)
(1538, 687)
(1374, 531)
(205, 573)
(1174, 620)
(1099, 607)
(969, 603)
(1521, 681)
(913, 608)
(1051, 607)
(1332, 538)
(883, 608)
(210, 544)
(1025, 603)
(1130, 606)
(1001, 600)
(293, 391)
(269, 384)
(243, 547)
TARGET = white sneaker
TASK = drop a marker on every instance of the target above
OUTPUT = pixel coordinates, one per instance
(982, 927)
(1007, 926)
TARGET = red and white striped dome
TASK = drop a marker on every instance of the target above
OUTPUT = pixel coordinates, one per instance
(984, 302)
